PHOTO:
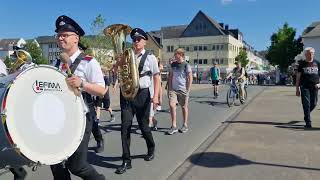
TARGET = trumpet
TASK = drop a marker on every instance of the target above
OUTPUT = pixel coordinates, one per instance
(22, 58)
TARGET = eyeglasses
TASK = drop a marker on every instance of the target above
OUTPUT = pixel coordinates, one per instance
(137, 39)
(63, 36)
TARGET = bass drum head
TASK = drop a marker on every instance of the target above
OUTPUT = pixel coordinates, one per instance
(45, 119)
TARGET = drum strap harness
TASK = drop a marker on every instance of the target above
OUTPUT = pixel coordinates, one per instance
(141, 64)
(86, 96)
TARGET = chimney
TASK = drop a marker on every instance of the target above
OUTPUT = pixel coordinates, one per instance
(226, 27)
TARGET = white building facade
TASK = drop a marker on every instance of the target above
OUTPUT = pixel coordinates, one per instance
(205, 41)
(311, 38)
(6, 46)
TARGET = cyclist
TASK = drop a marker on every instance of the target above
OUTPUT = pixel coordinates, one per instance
(239, 74)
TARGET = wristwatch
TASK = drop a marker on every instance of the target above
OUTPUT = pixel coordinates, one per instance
(81, 85)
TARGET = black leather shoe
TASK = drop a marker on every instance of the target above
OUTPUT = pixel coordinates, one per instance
(308, 126)
(100, 146)
(149, 157)
(123, 168)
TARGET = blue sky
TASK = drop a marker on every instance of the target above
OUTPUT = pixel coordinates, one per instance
(256, 19)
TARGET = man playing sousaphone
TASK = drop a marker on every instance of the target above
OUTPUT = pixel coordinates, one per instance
(140, 104)
(87, 77)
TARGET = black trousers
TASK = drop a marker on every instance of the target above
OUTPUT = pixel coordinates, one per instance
(309, 99)
(140, 107)
(96, 130)
(19, 173)
(77, 164)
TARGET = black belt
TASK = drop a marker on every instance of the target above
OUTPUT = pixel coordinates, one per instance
(147, 73)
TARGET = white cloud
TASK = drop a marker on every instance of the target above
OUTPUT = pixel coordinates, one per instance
(224, 2)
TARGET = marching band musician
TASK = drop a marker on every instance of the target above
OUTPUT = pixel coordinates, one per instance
(140, 105)
(88, 78)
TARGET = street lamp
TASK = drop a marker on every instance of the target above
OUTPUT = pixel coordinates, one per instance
(197, 66)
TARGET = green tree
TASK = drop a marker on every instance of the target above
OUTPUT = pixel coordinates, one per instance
(242, 57)
(97, 25)
(35, 52)
(8, 62)
(98, 44)
(284, 47)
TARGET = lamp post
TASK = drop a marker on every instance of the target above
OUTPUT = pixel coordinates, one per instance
(197, 66)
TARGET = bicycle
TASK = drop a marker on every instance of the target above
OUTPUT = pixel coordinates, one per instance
(234, 94)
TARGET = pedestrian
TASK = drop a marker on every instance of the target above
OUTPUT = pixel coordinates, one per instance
(87, 77)
(215, 77)
(180, 80)
(3, 69)
(307, 84)
(104, 102)
(140, 105)
(19, 173)
(153, 123)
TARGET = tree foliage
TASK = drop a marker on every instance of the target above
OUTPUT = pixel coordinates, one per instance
(242, 57)
(284, 47)
(8, 62)
(35, 52)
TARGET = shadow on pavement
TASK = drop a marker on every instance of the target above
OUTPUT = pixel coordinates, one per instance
(212, 103)
(263, 122)
(102, 161)
(299, 128)
(289, 125)
(224, 160)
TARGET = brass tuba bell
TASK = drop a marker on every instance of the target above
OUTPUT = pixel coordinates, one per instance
(128, 72)
(22, 58)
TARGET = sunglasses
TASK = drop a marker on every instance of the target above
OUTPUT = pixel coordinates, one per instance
(63, 36)
(136, 39)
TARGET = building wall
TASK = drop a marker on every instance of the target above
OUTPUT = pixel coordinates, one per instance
(50, 50)
(313, 42)
(205, 50)
(151, 45)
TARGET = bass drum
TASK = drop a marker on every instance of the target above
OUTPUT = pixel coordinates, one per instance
(43, 122)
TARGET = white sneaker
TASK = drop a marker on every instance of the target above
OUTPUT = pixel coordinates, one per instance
(159, 108)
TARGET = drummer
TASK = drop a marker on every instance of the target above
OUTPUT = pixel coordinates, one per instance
(88, 78)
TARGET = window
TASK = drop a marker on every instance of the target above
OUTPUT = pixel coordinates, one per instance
(221, 61)
(200, 61)
(195, 48)
(195, 61)
(205, 61)
(187, 48)
(218, 47)
(213, 47)
(200, 48)
(205, 47)
(221, 47)
(170, 48)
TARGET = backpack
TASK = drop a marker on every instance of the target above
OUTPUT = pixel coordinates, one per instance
(245, 71)
(183, 65)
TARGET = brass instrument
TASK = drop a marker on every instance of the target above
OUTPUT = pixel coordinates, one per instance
(128, 71)
(106, 60)
(22, 58)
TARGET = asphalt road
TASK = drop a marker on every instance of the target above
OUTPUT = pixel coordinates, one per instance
(205, 116)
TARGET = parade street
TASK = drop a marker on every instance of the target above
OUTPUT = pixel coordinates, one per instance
(206, 115)
(263, 139)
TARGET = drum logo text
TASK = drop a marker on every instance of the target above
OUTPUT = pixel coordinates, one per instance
(41, 86)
